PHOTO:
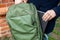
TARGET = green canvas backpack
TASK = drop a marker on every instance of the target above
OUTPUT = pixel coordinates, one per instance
(23, 22)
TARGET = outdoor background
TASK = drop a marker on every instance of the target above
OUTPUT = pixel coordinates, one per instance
(55, 35)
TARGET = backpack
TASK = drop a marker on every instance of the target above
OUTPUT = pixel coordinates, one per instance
(23, 22)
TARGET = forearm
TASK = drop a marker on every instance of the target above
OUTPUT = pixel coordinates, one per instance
(57, 10)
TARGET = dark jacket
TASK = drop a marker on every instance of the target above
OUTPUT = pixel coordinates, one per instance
(44, 5)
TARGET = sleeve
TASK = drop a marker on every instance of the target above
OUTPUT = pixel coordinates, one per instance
(57, 9)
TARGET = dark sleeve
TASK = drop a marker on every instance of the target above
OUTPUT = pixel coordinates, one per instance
(57, 10)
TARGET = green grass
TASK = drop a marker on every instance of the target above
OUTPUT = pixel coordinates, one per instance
(58, 33)
(50, 38)
(57, 25)
(57, 22)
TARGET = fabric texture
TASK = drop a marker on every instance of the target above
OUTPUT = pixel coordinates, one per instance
(44, 5)
(23, 21)
(42, 22)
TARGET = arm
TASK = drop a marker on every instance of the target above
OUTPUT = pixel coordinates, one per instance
(57, 10)
(50, 14)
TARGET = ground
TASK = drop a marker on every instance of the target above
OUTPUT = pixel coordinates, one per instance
(55, 35)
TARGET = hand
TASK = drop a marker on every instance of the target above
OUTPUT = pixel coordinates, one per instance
(50, 14)
(20, 1)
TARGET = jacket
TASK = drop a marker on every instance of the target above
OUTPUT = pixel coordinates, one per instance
(44, 5)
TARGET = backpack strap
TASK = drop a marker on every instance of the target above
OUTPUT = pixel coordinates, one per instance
(42, 23)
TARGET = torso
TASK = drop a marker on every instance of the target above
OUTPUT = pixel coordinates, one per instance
(44, 5)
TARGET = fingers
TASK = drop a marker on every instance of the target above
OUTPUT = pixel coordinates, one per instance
(50, 14)
(46, 16)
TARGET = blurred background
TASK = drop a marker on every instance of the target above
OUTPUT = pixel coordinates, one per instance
(55, 35)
